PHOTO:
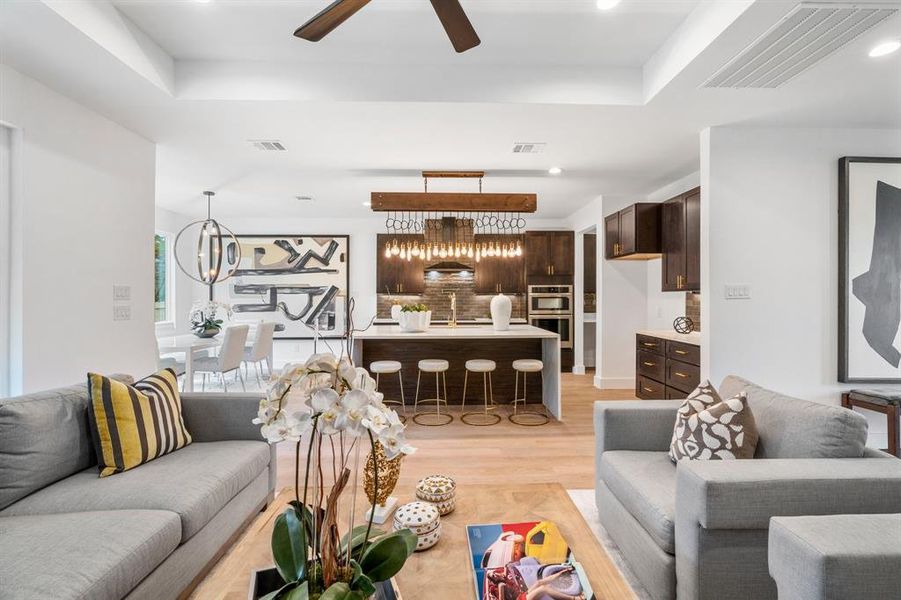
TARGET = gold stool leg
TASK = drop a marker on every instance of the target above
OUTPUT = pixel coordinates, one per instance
(403, 401)
(465, 383)
(437, 417)
(483, 418)
(528, 417)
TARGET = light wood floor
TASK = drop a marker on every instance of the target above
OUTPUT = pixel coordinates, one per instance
(554, 453)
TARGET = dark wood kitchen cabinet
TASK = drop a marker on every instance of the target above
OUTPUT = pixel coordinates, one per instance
(550, 257)
(395, 275)
(665, 369)
(633, 233)
(495, 274)
(681, 236)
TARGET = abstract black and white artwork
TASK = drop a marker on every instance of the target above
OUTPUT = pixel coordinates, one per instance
(870, 270)
(298, 281)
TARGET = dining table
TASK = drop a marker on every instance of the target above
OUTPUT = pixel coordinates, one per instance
(189, 345)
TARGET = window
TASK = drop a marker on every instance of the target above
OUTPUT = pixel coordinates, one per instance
(5, 259)
(162, 278)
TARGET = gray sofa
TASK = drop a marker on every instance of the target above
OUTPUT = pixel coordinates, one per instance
(699, 530)
(147, 533)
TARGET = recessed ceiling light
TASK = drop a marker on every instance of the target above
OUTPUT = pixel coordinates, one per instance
(885, 48)
(607, 4)
(555, 170)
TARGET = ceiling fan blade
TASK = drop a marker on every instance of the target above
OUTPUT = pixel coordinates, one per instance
(460, 31)
(322, 24)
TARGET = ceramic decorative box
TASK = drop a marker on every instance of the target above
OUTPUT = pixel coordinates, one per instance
(437, 489)
(423, 519)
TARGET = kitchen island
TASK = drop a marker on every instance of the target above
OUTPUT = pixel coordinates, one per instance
(457, 345)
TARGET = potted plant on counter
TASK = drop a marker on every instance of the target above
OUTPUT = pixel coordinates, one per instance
(205, 322)
(319, 551)
(415, 318)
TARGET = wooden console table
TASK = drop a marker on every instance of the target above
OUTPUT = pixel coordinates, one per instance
(886, 406)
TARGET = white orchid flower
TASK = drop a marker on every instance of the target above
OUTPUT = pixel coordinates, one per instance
(266, 412)
(394, 442)
(324, 399)
(376, 419)
(354, 406)
(322, 362)
(276, 429)
(347, 372)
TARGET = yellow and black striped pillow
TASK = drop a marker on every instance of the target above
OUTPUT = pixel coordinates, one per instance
(133, 424)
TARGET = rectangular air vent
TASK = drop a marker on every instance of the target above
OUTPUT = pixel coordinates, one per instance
(528, 147)
(268, 145)
(804, 37)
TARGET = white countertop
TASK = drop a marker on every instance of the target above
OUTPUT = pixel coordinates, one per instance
(390, 332)
(693, 338)
(467, 322)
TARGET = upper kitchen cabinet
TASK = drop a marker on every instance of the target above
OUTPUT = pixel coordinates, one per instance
(633, 233)
(496, 274)
(550, 257)
(394, 275)
(681, 235)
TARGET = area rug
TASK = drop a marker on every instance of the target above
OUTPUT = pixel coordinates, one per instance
(584, 501)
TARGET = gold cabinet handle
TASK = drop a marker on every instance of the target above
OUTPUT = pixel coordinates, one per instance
(648, 345)
(683, 352)
(649, 390)
(682, 375)
(649, 364)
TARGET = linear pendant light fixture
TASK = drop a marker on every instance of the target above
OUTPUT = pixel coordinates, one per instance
(430, 225)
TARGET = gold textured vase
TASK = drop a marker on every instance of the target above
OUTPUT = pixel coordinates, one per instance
(389, 472)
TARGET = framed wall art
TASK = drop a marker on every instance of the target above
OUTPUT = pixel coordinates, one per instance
(869, 270)
(298, 281)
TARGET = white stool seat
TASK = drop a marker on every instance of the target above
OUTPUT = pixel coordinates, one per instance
(385, 366)
(480, 365)
(433, 365)
(528, 365)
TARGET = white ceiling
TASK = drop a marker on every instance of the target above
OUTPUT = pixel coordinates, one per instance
(614, 94)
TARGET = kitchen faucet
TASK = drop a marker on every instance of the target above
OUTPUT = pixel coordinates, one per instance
(453, 320)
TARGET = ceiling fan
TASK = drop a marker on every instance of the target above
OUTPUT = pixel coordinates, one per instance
(450, 13)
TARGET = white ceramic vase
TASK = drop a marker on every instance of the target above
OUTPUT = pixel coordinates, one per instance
(395, 312)
(415, 322)
(501, 309)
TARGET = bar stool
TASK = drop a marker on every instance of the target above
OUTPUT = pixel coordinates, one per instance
(481, 418)
(527, 418)
(436, 366)
(389, 367)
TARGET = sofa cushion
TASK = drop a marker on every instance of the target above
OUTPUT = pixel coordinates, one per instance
(645, 484)
(793, 428)
(194, 482)
(29, 458)
(87, 555)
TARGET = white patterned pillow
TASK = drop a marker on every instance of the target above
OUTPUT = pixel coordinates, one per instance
(710, 428)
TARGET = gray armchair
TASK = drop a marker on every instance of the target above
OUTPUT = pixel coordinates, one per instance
(699, 529)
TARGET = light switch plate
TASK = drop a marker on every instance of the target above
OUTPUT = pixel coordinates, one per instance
(121, 293)
(740, 291)
(122, 313)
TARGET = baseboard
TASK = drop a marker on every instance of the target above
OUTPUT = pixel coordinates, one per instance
(614, 383)
(578, 369)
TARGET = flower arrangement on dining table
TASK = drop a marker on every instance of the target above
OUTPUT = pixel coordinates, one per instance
(204, 316)
(337, 404)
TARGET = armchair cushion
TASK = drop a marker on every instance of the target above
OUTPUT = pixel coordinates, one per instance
(645, 484)
(793, 428)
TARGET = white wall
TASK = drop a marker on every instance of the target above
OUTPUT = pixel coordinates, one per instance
(83, 215)
(769, 207)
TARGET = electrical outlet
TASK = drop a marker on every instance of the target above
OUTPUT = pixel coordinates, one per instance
(122, 313)
(121, 293)
(738, 292)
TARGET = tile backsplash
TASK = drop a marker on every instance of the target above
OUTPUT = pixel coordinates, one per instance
(693, 308)
(439, 286)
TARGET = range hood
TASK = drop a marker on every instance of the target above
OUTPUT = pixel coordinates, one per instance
(448, 266)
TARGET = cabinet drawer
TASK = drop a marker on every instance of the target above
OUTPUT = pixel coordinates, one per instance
(650, 344)
(648, 389)
(682, 376)
(651, 365)
(674, 394)
(684, 353)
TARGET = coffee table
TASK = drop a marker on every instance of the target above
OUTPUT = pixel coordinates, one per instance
(442, 572)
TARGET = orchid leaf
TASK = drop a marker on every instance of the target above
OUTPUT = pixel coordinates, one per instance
(289, 547)
(358, 537)
(387, 555)
(341, 591)
(301, 592)
(278, 593)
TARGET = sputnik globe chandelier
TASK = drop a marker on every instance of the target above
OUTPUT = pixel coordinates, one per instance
(217, 254)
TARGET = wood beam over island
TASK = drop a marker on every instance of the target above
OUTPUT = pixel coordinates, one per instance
(457, 345)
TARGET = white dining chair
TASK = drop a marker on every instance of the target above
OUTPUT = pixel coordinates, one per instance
(168, 361)
(260, 351)
(229, 359)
